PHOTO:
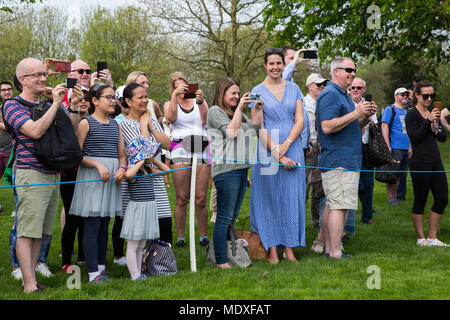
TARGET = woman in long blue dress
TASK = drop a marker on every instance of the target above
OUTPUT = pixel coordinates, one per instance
(277, 199)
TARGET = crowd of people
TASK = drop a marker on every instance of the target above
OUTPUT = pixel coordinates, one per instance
(317, 142)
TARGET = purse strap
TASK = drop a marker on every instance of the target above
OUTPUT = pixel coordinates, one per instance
(233, 238)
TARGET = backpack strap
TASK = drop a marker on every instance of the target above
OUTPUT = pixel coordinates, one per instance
(10, 130)
(392, 119)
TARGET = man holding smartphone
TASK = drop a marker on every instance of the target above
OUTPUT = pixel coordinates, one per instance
(339, 124)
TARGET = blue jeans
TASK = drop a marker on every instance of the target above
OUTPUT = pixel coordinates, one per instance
(231, 187)
(349, 223)
(46, 239)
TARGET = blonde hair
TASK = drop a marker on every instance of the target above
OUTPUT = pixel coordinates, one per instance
(132, 77)
(174, 77)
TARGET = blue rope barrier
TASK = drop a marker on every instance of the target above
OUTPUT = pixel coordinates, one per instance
(85, 181)
(322, 168)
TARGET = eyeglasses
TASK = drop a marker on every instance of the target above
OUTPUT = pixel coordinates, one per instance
(37, 75)
(348, 70)
(405, 94)
(357, 88)
(427, 96)
(323, 84)
(7, 89)
(81, 71)
(110, 98)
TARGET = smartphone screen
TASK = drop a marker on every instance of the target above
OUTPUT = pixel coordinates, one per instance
(368, 98)
(62, 66)
(190, 93)
(71, 82)
(438, 105)
(101, 65)
(310, 54)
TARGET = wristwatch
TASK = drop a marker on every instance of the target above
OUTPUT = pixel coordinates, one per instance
(289, 141)
(72, 111)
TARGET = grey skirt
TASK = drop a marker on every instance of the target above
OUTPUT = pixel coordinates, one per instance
(140, 221)
(97, 199)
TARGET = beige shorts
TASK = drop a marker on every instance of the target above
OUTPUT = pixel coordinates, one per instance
(38, 205)
(341, 189)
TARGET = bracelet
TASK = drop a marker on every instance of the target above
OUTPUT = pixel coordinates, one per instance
(289, 141)
(72, 111)
(199, 103)
(123, 167)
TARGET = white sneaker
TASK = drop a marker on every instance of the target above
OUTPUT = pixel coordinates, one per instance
(318, 246)
(422, 242)
(17, 274)
(121, 261)
(43, 269)
(436, 243)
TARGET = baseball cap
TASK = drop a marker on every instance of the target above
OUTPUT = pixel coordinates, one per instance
(315, 78)
(119, 92)
(400, 90)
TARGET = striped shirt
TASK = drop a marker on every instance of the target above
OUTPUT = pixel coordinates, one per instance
(16, 114)
(131, 129)
(142, 190)
(102, 139)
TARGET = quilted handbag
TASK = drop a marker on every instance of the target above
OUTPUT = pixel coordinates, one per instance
(379, 154)
(159, 259)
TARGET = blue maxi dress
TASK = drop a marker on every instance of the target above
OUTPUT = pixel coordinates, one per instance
(277, 195)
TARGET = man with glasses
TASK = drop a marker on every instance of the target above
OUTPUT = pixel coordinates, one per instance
(339, 124)
(37, 207)
(394, 132)
(366, 179)
(6, 92)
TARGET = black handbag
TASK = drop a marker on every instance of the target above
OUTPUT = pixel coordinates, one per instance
(379, 154)
(383, 175)
(159, 259)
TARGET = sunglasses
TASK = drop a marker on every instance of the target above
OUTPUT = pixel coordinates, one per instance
(323, 84)
(427, 96)
(348, 70)
(357, 88)
(81, 71)
(405, 94)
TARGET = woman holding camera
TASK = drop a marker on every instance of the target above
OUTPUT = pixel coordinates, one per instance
(277, 201)
(230, 133)
(424, 130)
(187, 118)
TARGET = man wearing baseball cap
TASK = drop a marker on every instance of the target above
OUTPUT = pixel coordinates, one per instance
(315, 84)
(394, 133)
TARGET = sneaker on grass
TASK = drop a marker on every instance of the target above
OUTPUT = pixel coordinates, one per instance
(120, 261)
(436, 243)
(422, 243)
(17, 274)
(318, 246)
(43, 270)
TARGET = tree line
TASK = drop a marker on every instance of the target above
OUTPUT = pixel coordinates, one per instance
(205, 39)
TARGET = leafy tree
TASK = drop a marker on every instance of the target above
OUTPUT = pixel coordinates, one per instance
(354, 28)
(6, 5)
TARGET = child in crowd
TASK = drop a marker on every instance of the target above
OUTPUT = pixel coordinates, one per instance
(104, 156)
(141, 217)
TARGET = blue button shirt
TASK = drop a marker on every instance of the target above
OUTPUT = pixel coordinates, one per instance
(343, 148)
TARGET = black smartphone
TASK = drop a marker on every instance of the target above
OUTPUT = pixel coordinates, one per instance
(71, 82)
(101, 65)
(310, 54)
(368, 97)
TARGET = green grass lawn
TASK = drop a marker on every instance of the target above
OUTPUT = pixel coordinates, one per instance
(406, 271)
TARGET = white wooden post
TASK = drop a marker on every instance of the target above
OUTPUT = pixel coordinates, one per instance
(192, 215)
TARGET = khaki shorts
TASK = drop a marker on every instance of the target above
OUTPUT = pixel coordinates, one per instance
(341, 189)
(38, 205)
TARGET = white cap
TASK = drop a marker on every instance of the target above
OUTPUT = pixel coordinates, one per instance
(315, 78)
(119, 92)
(400, 90)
